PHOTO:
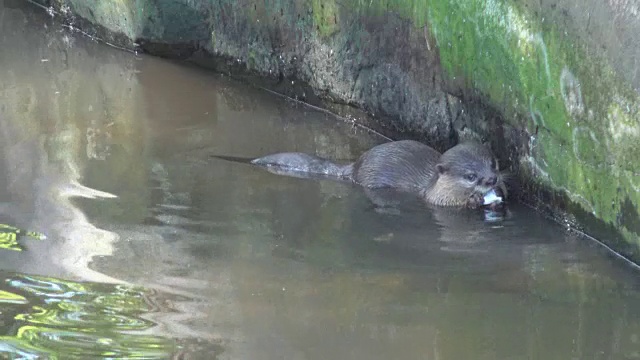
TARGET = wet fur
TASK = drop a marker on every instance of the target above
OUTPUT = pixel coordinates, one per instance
(409, 166)
(403, 165)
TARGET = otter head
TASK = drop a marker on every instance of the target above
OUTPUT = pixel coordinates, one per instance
(470, 168)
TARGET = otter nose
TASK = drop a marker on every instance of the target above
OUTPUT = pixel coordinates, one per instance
(492, 180)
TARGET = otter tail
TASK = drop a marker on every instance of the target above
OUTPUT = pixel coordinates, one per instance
(299, 165)
(234, 159)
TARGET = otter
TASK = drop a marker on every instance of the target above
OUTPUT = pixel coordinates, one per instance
(461, 176)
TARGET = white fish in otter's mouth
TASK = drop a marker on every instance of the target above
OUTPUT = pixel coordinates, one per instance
(491, 197)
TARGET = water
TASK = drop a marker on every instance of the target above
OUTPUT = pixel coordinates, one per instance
(200, 258)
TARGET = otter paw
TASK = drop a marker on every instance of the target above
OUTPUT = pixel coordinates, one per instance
(475, 201)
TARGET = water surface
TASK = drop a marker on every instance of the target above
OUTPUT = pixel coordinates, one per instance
(155, 249)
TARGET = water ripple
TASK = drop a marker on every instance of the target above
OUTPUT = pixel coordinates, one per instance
(62, 319)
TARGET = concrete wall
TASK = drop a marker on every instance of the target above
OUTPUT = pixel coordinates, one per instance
(553, 84)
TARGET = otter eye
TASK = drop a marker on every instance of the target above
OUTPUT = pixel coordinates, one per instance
(471, 177)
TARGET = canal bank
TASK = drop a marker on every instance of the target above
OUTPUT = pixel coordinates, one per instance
(552, 85)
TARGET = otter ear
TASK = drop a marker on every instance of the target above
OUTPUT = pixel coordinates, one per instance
(442, 168)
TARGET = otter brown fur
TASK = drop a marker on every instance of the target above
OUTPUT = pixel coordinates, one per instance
(459, 177)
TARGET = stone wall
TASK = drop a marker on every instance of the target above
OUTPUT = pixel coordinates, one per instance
(552, 84)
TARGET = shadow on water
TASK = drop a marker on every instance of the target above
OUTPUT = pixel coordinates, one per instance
(155, 249)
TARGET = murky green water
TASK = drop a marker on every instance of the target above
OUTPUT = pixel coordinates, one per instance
(155, 250)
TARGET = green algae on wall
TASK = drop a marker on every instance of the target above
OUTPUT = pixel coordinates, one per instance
(583, 120)
(325, 17)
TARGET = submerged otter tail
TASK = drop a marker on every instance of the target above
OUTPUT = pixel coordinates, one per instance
(302, 165)
(297, 165)
(234, 159)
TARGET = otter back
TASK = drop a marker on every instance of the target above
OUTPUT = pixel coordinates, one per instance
(405, 165)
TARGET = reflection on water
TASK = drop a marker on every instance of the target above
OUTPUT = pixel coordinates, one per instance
(77, 320)
(155, 249)
(9, 236)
